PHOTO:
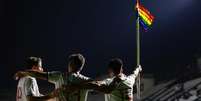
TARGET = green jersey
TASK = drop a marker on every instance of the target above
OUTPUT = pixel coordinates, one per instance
(60, 79)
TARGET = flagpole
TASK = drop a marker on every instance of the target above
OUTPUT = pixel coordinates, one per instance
(138, 40)
(138, 50)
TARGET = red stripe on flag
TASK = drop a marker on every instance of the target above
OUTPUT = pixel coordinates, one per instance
(146, 15)
(146, 11)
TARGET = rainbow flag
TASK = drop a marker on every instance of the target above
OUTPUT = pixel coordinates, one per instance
(145, 17)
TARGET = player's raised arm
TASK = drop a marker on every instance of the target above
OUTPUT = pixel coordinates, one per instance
(135, 73)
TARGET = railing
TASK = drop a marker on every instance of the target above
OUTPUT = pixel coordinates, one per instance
(174, 90)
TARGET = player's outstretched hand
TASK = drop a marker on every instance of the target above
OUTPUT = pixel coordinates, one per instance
(139, 67)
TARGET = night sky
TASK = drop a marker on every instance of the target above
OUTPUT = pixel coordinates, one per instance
(100, 30)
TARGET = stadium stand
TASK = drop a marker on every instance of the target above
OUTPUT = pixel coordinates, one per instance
(187, 88)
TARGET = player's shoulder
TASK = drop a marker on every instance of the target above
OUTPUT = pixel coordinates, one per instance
(31, 79)
(27, 78)
(108, 80)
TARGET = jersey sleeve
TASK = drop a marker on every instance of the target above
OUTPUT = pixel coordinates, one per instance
(105, 81)
(31, 87)
(107, 85)
(82, 78)
(131, 78)
(54, 76)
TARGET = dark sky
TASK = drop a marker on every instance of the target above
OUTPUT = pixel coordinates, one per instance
(100, 30)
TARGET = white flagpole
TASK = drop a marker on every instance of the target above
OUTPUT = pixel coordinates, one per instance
(138, 51)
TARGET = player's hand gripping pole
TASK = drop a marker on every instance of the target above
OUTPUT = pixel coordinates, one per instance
(138, 82)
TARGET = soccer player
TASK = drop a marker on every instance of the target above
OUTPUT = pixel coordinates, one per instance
(124, 89)
(75, 65)
(118, 87)
(27, 89)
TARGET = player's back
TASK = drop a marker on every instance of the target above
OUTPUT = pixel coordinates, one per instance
(79, 95)
(124, 90)
(60, 79)
(26, 86)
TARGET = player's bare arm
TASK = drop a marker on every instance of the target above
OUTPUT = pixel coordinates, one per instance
(96, 85)
(36, 74)
(136, 72)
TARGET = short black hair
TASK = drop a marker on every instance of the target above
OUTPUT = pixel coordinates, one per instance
(116, 65)
(32, 61)
(76, 61)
